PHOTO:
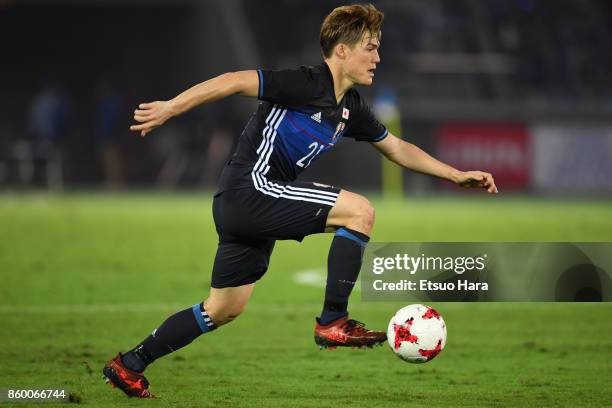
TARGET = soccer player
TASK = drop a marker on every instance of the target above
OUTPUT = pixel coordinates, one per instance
(303, 113)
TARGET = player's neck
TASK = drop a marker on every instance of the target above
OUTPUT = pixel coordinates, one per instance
(342, 83)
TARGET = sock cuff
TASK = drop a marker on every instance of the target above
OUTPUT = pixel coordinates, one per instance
(356, 236)
(204, 321)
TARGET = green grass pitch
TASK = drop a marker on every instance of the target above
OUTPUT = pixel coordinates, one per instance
(84, 276)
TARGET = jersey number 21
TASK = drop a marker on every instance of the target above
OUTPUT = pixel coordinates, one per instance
(315, 149)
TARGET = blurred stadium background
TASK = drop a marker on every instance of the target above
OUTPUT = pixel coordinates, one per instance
(522, 88)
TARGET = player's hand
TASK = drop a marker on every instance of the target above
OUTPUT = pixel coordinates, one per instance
(479, 179)
(151, 115)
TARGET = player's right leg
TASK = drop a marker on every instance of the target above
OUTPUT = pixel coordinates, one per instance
(223, 305)
(240, 261)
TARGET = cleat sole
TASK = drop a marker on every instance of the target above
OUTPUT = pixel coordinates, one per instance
(112, 378)
(324, 343)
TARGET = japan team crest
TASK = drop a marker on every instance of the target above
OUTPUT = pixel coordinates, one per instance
(339, 130)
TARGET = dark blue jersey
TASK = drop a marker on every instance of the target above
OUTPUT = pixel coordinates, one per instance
(298, 120)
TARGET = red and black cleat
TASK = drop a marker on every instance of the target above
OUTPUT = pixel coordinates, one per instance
(347, 332)
(132, 383)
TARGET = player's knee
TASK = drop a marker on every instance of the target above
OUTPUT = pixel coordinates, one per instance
(225, 313)
(363, 217)
(227, 316)
(369, 217)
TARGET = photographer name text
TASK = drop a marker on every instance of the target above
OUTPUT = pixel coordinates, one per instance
(427, 285)
(433, 264)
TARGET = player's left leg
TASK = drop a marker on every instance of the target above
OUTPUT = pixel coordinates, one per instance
(352, 218)
(281, 210)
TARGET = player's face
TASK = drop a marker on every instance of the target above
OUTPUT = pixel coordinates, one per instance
(362, 59)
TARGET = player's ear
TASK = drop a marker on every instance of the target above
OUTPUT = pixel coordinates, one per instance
(340, 50)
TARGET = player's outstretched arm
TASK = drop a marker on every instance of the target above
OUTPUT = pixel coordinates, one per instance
(154, 114)
(411, 157)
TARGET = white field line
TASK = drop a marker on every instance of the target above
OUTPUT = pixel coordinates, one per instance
(316, 277)
(309, 277)
(166, 307)
(137, 308)
(280, 307)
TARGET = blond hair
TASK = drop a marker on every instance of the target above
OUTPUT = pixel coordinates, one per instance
(347, 24)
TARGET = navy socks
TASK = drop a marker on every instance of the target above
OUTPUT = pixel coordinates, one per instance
(180, 329)
(176, 332)
(343, 264)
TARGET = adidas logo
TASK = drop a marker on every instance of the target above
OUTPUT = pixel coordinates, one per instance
(316, 117)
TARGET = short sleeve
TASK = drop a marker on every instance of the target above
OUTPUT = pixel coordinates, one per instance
(364, 126)
(291, 87)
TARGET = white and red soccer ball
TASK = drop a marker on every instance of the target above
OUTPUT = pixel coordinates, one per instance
(417, 333)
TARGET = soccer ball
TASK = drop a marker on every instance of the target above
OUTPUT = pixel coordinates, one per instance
(416, 333)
